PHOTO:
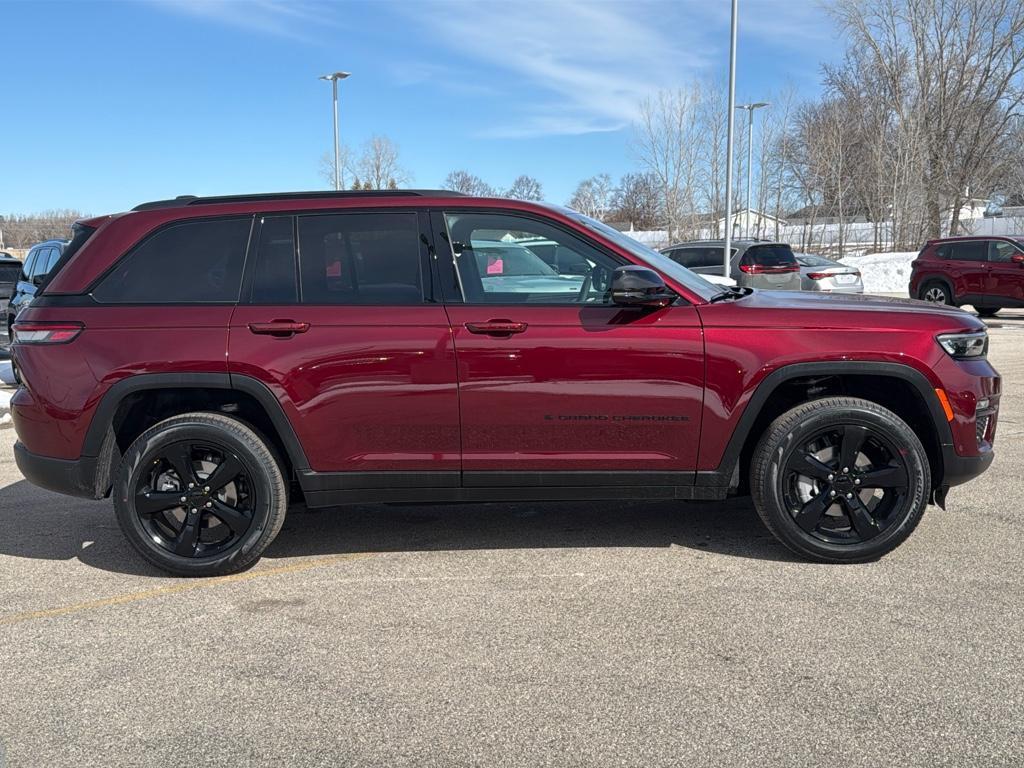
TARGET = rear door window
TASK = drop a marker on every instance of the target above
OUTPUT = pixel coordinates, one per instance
(30, 264)
(192, 262)
(970, 250)
(51, 258)
(275, 279)
(360, 258)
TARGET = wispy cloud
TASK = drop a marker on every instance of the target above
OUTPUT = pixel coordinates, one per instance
(589, 64)
(292, 19)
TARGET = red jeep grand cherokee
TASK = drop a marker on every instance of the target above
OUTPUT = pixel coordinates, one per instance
(985, 272)
(205, 360)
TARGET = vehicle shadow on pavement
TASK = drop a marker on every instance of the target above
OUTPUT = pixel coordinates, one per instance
(36, 524)
(727, 528)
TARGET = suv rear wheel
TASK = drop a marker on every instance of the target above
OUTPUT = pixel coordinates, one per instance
(200, 495)
(936, 293)
(840, 480)
(987, 311)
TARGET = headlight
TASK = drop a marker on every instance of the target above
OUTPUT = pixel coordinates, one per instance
(964, 346)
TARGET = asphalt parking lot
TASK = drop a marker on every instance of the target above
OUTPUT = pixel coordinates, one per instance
(534, 634)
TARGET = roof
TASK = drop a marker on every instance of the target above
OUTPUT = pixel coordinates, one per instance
(187, 200)
(720, 242)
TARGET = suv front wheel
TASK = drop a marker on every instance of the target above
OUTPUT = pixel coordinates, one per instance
(200, 494)
(840, 480)
(937, 293)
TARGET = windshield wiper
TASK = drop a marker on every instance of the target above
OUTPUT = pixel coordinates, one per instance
(731, 292)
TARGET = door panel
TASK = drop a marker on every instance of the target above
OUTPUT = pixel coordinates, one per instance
(969, 268)
(1006, 277)
(366, 388)
(581, 388)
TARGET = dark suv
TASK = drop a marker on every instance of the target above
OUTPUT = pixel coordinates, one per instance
(30, 275)
(206, 360)
(985, 272)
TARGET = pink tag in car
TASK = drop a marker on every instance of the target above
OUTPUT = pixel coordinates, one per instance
(495, 267)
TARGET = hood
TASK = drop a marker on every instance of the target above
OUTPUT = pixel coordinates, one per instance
(810, 308)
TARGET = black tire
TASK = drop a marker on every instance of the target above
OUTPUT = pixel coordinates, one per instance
(987, 311)
(858, 521)
(936, 293)
(239, 518)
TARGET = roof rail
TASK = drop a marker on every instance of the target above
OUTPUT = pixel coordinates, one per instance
(183, 200)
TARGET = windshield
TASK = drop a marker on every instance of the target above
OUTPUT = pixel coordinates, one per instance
(660, 262)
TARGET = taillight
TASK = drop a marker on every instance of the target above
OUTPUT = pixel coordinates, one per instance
(45, 333)
(823, 275)
(758, 269)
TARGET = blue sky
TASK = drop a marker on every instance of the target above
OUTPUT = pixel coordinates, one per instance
(108, 104)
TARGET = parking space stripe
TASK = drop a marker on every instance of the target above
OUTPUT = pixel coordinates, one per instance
(188, 586)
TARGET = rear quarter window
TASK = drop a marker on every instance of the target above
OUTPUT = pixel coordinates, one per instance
(192, 262)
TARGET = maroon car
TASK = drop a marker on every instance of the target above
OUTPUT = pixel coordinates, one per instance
(985, 272)
(206, 360)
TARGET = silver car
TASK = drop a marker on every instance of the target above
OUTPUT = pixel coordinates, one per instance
(820, 274)
(754, 263)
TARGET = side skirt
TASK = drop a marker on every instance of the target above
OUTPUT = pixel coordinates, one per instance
(328, 489)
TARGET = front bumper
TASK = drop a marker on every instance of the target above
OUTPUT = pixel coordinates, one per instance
(75, 477)
(957, 469)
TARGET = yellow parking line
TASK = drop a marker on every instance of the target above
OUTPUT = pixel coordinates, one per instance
(188, 586)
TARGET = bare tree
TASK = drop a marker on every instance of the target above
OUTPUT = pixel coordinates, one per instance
(593, 196)
(25, 230)
(327, 165)
(378, 164)
(950, 72)
(525, 188)
(468, 184)
(667, 143)
(637, 201)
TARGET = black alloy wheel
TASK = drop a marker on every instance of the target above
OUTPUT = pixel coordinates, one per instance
(936, 293)
(196, 499)
(843, 484)
(200, 494)
(840, 479)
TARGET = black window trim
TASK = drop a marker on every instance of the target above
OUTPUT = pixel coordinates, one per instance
(440, 211)
(428, 276)
(153, 233)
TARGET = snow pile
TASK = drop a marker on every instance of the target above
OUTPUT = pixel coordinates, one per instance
(5, 404)
(883, 272)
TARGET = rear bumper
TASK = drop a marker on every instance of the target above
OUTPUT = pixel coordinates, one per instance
(75, 477)
(957, 469)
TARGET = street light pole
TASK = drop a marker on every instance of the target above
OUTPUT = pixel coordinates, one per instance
(727, 251)
(750, 149)
(334, 77)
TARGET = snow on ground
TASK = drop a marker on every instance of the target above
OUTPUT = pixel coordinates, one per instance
(883, 272)
(6, 378)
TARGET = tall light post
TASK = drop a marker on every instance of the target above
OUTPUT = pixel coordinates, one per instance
(334, 77)
(750, 149)
(727, 252)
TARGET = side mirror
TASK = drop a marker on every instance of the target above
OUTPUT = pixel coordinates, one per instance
(636, 286)
(37, 280)
(1018, 258)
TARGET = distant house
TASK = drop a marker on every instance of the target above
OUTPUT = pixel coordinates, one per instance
(751, 222)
